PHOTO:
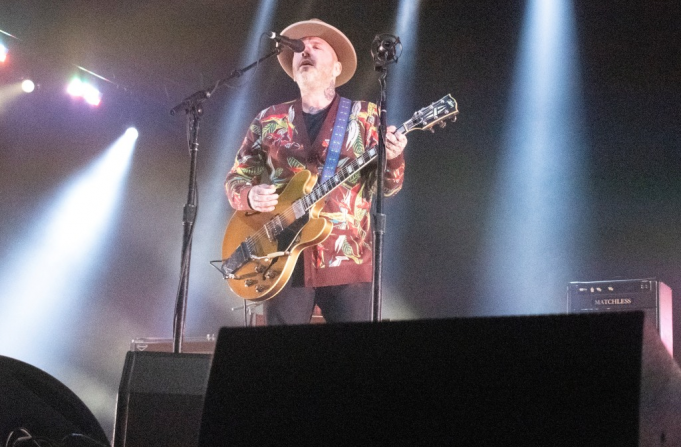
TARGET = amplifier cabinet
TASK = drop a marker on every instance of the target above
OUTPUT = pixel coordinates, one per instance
(160, 399)
(190, 345)
(653, 297)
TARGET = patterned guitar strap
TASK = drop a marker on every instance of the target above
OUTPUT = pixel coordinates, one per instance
(337, 137)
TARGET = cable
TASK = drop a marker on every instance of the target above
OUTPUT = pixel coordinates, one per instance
(26, 437)
(26, 433)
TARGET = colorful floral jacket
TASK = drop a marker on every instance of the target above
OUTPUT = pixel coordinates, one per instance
(277, 146)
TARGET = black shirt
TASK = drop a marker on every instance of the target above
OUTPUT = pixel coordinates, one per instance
(313, 122)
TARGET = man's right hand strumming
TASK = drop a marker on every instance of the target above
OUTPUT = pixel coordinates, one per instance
(263, 198)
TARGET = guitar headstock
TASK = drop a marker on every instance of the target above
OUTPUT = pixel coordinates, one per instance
(436, 113)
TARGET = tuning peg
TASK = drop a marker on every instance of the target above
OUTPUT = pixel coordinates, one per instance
(443, 123)
(431, 130)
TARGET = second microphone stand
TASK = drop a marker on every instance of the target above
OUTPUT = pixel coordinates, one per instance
(383, 50)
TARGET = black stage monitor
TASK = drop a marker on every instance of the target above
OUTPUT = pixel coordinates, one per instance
(541, 380)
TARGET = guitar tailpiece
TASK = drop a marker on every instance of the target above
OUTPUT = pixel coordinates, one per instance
(270, 256)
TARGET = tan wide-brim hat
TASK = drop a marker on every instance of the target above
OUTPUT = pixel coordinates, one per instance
(332, 35)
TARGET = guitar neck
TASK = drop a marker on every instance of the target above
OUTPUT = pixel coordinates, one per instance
(406, 127)
(323, 189)
(422, 119)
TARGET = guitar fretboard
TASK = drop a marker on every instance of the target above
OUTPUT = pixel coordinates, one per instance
(320, 191)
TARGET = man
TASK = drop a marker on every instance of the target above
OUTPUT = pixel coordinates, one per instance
(286, 138)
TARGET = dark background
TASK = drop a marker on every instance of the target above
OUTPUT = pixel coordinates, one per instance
(157, 52)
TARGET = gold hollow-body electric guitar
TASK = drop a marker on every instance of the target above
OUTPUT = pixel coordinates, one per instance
(260, 250)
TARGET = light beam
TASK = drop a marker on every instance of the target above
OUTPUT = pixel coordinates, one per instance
(43, 280)
(529, 248)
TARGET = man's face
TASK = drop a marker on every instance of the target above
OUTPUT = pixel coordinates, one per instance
(317, 65)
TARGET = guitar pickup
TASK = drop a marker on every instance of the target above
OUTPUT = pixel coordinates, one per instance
(273, 228)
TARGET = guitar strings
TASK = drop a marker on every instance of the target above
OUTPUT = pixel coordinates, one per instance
(287, 217)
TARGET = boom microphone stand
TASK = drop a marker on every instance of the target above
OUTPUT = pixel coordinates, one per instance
(383, 50)
(192, 105)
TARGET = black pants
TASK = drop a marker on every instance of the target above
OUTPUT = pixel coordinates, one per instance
(294, 305)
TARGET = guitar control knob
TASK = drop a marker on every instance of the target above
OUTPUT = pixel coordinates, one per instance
(259, 268)
(260, 289)
(250, 282)
(271, 274)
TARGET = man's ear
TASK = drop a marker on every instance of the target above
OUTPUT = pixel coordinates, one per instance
(337, 69)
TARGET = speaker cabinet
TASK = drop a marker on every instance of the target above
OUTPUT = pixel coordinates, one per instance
(542, 380)
(34, 400)
(160, 399)
(652, 297)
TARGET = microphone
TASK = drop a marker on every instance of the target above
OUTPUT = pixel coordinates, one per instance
(296, 45)
(384, 50)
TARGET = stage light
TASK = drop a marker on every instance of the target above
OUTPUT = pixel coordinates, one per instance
(91, 95)
(3, 53)
(131, 132)
(28, 86)
(88, 92)
(46, 276)
(531, 230)
(75, 87)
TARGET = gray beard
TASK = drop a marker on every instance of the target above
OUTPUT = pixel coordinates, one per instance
(312, 80)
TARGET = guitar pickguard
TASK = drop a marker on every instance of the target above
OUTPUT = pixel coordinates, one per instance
(291, 234)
